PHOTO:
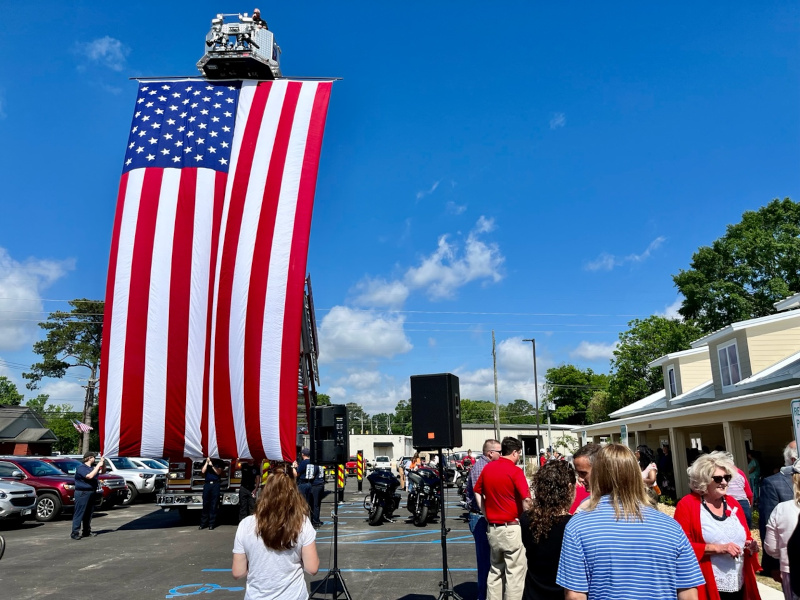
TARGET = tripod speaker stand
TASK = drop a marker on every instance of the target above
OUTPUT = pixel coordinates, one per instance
(444, 584)
(334, 575)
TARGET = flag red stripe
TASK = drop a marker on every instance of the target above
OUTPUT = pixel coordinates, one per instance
(108, 310)
(179, 296)
(293, 311)
(223, 412)
(135, 345)
(260, 273)
(219, 201)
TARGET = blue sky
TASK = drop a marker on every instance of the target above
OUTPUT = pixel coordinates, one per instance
(540, 170)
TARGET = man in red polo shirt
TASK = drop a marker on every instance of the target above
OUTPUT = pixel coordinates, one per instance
(502, 493)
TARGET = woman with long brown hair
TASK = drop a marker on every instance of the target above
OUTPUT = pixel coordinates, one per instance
(275, 545)
(553, 490)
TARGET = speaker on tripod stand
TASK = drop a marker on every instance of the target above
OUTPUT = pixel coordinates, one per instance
(435, 425)
(329, 448)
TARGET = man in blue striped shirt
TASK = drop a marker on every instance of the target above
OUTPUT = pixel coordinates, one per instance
(622, 548)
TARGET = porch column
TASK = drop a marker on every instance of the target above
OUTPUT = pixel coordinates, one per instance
(677, 446)
(734, 442)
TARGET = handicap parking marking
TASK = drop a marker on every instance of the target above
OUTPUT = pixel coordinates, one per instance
(193, 589)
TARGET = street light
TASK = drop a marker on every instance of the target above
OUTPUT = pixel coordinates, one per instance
(536, 393)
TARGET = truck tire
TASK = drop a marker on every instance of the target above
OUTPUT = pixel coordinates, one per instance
(421, 519)
(48, 507)
(376, 514)
(130, 495)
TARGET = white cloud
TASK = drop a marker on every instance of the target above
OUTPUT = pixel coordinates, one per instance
(380, 293)
(439, 274)
(21, 307)
(558, 120)
(455, 209)
(106, 51)
(594, 351)
(63, 392)
(346, 334)
(360, 380)
(671, 311)
(606, 261)
(422, 193)
(445, 270)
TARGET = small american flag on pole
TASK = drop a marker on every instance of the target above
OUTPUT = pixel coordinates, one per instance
(81, 427)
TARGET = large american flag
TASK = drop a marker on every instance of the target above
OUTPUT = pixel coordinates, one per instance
(203, 311)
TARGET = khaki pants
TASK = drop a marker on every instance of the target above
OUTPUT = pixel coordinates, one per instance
(509, 564)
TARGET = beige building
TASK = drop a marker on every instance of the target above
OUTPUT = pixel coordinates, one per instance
(733, 389)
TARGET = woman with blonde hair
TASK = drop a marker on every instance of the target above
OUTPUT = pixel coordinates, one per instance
(716, 527)
(275, 545)
(780, 527)
(622, 547)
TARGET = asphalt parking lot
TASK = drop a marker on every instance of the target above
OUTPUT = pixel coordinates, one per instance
(143, 552)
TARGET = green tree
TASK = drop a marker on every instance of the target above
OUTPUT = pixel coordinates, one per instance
(518, 412)
(59, 419)
(477, 411)
(743, 273)
(645, 341)
(357, 419)
(323, 400)
(401, 421)
(38, 403)
(9, 396)
(72, 340)
(599, 407)
(570, 389)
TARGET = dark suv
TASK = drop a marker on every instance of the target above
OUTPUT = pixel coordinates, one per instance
(112, 487)
(55, 491)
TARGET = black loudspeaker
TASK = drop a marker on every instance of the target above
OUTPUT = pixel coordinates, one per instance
(435, 411)
(329, 436)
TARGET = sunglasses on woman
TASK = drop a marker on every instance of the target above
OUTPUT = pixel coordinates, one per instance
(720, 478)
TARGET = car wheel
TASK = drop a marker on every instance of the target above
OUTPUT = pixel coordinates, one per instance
(130, 495)
(48, 507)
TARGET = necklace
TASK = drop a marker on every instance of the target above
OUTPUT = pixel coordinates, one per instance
(724, 509)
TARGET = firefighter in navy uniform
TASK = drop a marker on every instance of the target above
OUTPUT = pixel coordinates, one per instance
(212, 469)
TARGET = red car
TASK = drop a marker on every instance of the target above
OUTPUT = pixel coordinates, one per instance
(55, 490)
(111, 486)
(351, 466)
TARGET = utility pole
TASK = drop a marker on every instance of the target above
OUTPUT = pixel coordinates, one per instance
(496, 397)
(536, 394)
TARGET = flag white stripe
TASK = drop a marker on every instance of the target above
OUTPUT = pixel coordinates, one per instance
(198, 309)
(246, 94)
(244, 256)
(155, 365)
(119, 321)
(273, 328)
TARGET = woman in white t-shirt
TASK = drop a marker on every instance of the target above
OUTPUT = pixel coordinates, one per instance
(275, 545)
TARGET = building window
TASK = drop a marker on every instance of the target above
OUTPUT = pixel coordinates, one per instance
(673, 387)
(729, 364)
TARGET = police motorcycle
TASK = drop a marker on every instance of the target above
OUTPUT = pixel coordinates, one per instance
(455, 475)
(383, 497)
(424, 500)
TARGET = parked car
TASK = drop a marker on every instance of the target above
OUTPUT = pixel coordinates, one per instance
(150, 463)
(55, 490)
(17, 501)
(351, 466)
(138, 481)
(112, 487)
(382, 463)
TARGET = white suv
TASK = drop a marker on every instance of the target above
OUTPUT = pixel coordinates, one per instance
(382, 463)
(139, 481)
(16, 500)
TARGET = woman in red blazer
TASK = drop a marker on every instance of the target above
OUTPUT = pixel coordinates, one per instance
(716, 527)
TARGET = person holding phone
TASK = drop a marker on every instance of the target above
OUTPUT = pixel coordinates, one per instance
(212, 470)
(85, 489)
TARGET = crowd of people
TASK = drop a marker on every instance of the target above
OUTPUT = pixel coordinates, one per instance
(581, 529)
